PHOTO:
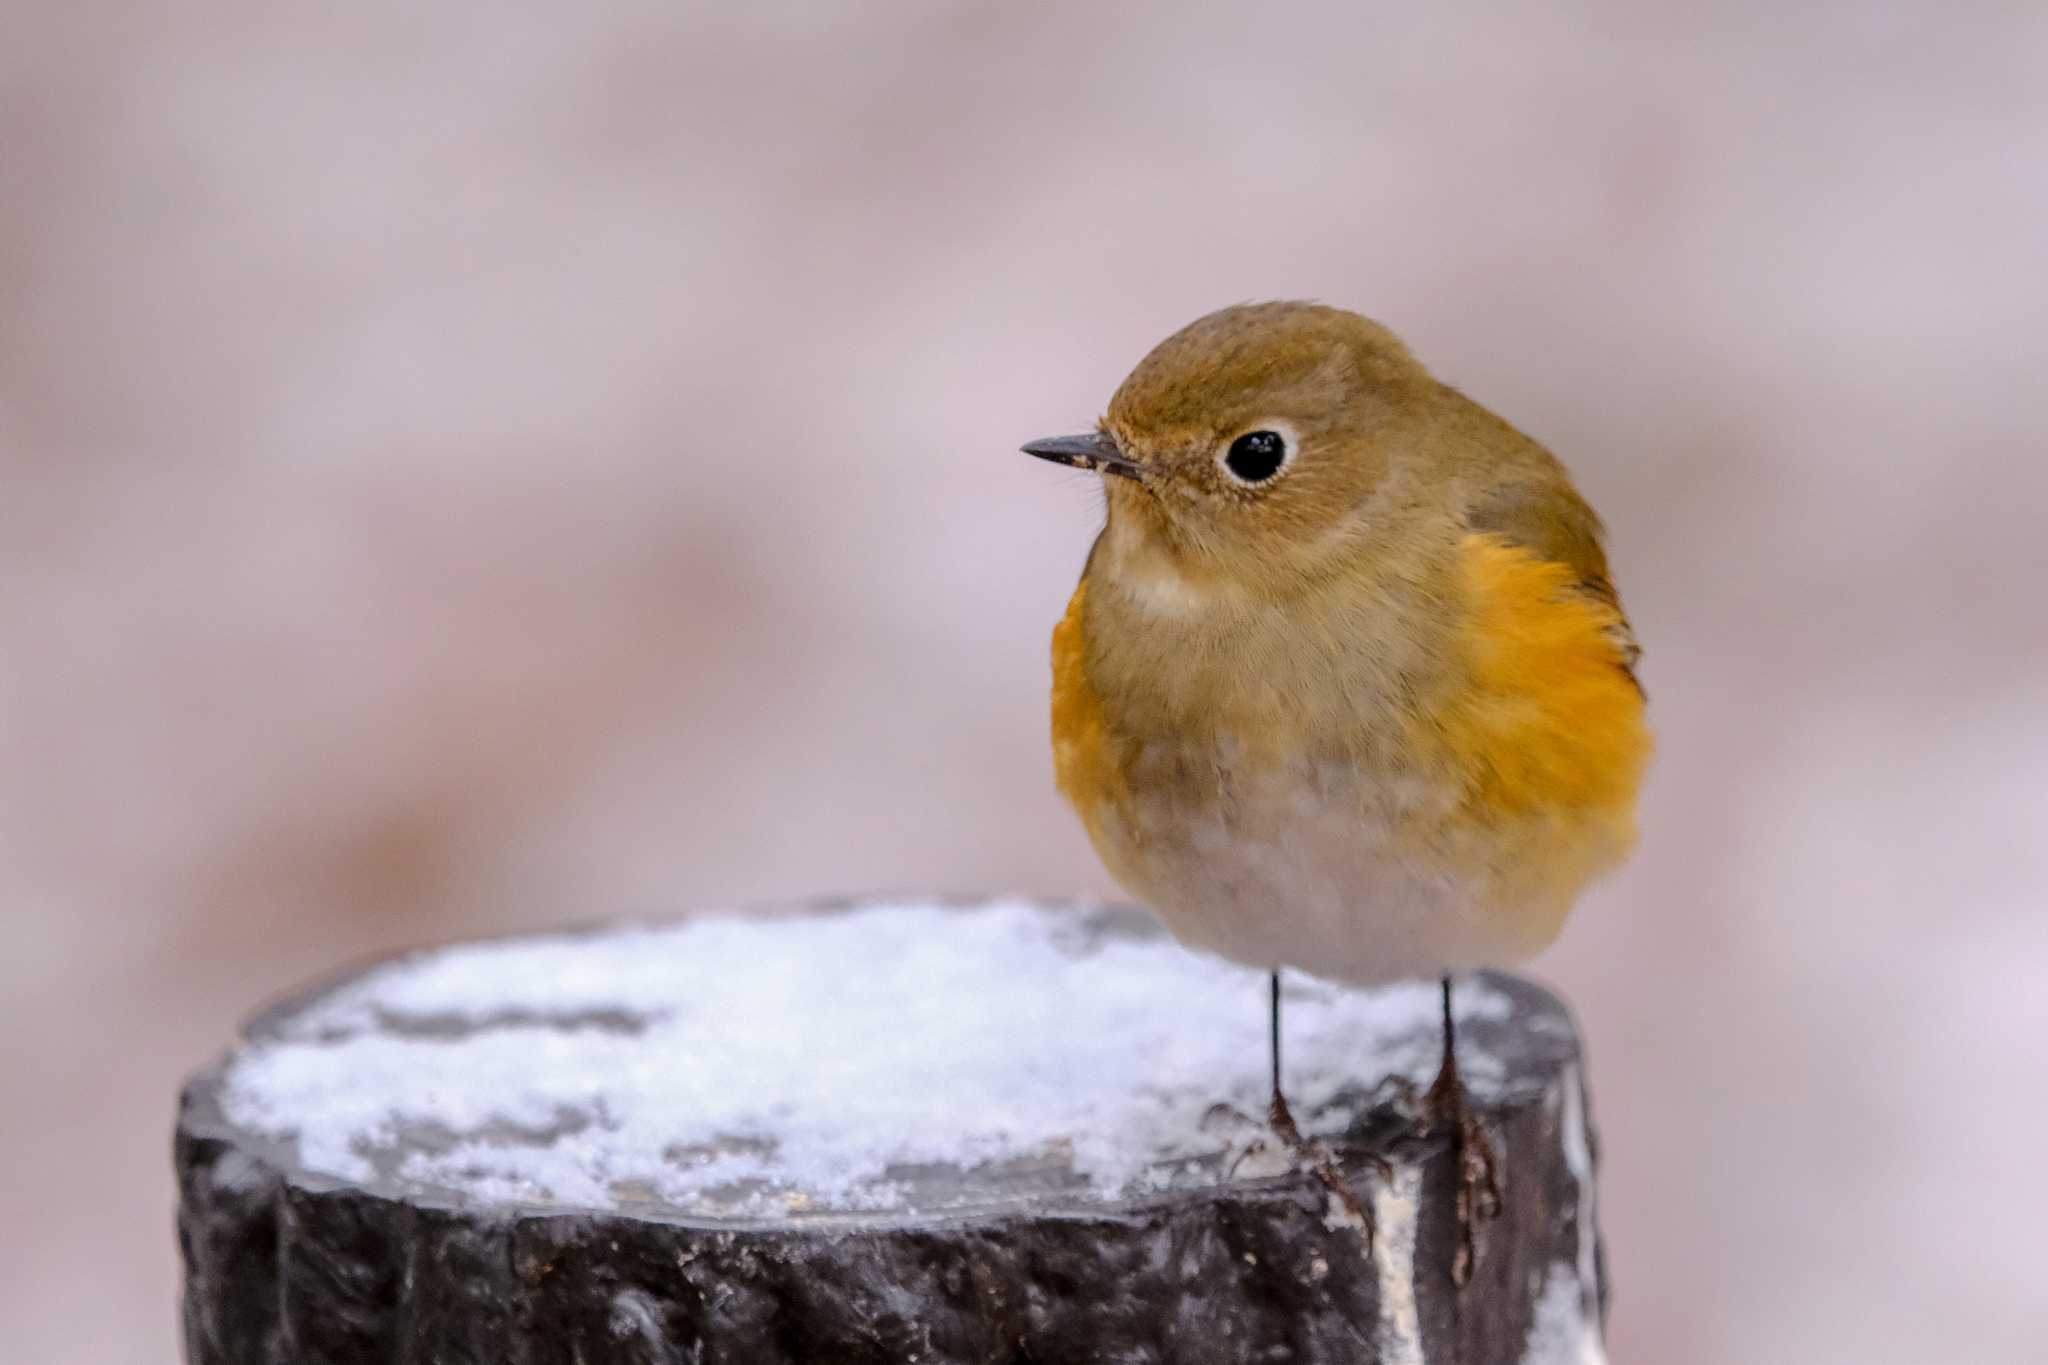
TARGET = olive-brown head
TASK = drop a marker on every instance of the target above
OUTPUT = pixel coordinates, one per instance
(1249, 441)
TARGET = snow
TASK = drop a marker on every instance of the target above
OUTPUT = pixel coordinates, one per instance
(738, 1065)
(1565, 1327)
(1563, 1330)
(1395, 1205)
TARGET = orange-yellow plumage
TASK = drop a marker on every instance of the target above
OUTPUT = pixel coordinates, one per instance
(1548, 719)
(1082, 765)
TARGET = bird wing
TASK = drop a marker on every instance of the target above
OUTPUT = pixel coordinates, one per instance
(1547, 517)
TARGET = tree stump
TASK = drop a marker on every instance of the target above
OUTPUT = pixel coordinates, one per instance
(871, 1132)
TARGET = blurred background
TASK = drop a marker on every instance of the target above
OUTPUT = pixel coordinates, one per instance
(470, 467)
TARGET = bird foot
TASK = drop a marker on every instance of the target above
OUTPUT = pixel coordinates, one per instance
(1448, 1108)
(1251, 1150)
(1280, 1131)
(1322, 1163)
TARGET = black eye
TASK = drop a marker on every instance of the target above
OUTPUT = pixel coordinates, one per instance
(1256, 456)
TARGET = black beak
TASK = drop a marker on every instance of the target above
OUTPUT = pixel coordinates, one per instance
(1093, 450)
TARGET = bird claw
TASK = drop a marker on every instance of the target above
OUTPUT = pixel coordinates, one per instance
(1308, 1153)
(1247, 1137)
(1322, 1163)
(1222, 1116)
(1479, 1200)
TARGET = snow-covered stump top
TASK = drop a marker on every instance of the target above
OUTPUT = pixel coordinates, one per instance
(870, 1132)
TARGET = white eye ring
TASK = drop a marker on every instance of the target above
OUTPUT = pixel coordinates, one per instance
(1257, 456)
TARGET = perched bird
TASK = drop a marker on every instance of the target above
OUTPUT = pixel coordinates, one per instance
(1345, 686)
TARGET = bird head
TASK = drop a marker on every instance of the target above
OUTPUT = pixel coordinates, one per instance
(1248, 446)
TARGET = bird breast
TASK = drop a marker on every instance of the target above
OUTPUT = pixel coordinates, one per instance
(1418, 775)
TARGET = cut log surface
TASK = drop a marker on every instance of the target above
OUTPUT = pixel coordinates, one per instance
(873, 1132)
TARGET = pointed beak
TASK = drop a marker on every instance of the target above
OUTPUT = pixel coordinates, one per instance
(1092, 450)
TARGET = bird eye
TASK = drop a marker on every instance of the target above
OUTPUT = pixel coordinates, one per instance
(1256, 456)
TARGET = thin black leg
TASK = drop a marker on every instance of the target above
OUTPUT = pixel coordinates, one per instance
(1450, 1109)
(1273, 1026)
(1447, 1093)
(1450, 1066)
(1280, 1119)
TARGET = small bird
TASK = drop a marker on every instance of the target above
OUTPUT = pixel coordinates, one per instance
(1345, 686)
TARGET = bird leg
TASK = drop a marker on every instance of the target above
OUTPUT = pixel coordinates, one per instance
(1449, 1109)
(1316, 1156)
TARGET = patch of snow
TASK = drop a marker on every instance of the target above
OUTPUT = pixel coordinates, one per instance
(735, 1063)
(1562, 1332)
(1565, 1329)
(1394, 1207)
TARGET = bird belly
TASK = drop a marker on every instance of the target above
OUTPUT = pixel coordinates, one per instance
(1325, 876)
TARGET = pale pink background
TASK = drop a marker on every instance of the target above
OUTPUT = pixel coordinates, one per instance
(470, 466)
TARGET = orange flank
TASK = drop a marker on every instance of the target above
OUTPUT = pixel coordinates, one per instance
(1549, 719)
(1080, 752)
